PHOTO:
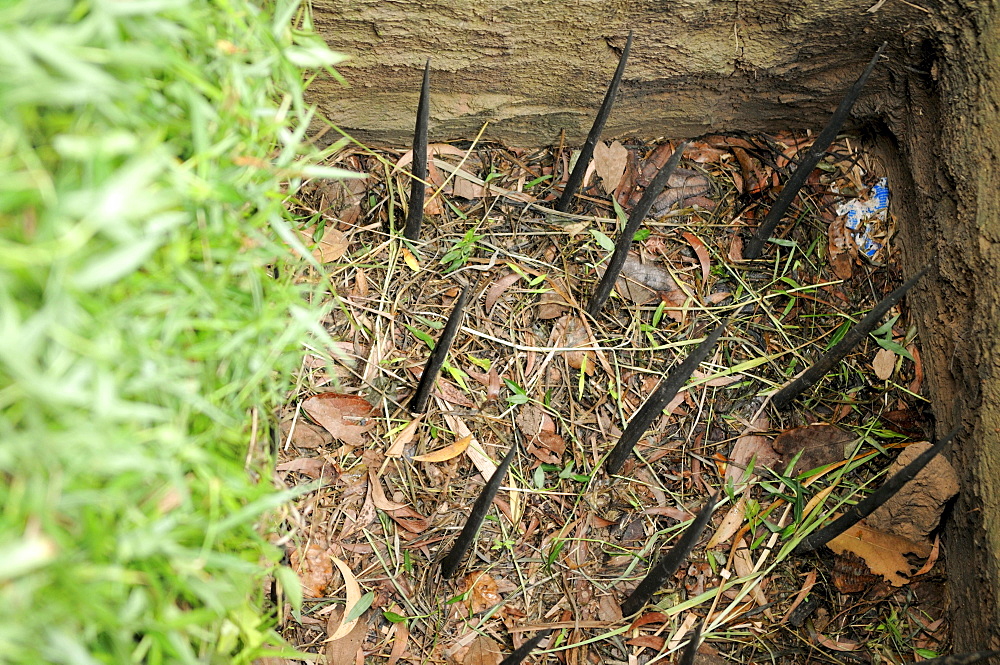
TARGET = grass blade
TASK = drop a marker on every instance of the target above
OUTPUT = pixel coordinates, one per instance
(691, 650)
(668, 563)
(654, 404)
(624, 240)
(520, 654)
(415, 214)
(418, 404)
(873, 501)
(449, 564)
(819, 369)
(576, 177)
(809, 162)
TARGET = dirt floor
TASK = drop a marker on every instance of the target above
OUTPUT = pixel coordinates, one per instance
(563, 543)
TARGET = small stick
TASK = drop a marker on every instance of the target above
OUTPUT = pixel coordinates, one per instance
(449, 564)
(691, 650)
(521, 653)
(873, 501)
(809, 162)
(624, 240)
(667, 564)
(661, 396)
(422, 395)
(818, 370)
(587, 151)
(415, 214)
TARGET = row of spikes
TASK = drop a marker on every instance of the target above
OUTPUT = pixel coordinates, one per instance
(667, 564)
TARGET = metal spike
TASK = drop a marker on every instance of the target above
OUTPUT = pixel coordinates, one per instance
(449, 564)
(576, 177)
(521, 653)
(624, 240)
(668, 563)
(873, 501)
(691, 650)
(819, 369)
(809, 162)
(415, 214)
(422, 395)
(660, 397)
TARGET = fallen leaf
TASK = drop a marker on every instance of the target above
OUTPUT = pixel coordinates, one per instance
(730, 523)
(842, 249)
(482, 651)
(884, 364)
(454, 449)
(346, 417)
(743, 563)
(331, 246)
(915, 510)
(499, 287)
(820, 444)
(304, 435)
(378, 494)
(313, 467)
(408, 519)
(884, 553)
(480, 590)
(551, 306)
(701, 252)
(751, 445)
(836, 645)
(410, 260)
(314, 568)
(344, 648)
(610, 161)
(576, 335)
(353, 591)
(404, 437)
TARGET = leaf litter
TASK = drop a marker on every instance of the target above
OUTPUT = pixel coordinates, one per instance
(394, 489)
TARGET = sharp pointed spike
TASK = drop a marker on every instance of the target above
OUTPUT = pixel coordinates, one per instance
(809, 162)
(624, 240)
(873, 501)
(668, 563)
(576, 177)
(415, 213)
(422, 395)
(660, 397)
(691, 650)
(521, 653)
(819, 369)
(451, 561)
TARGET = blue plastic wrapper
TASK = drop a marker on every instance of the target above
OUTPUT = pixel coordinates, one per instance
(864, 216)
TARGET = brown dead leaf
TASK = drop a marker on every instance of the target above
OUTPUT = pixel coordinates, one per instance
(331, 246)
(842, 249)
(408, 519)
(915, 510)
(344, 648)
(404, 437)
(314, 568)
(304, 435)
(314, 467)
(483, 650)
(640, 282)
(820, 444)
(884, 364)
(884, 553)
(482, 591)
(346, 417)
(730, 523)
(353, 591)
(499, 287)
(454, 449)
(378, 494)
(610, 161)
(701, 252)
(750, 446)
(570, 331)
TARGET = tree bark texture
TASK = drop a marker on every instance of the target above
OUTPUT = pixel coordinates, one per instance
(534, 69)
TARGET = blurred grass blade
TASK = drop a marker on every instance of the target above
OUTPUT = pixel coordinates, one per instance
(691, 650)
(422, 395)
(661, 396)
(624, 241)
(521, 653)
(809, 162)
(668, 563)
(451, 561)
(587, 152)
(873, 501)
(415, 213)
(819, 369)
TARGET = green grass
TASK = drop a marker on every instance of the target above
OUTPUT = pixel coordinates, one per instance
(147, 310)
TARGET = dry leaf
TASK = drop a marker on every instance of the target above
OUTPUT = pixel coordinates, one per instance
(404, 437)
(701, 252)
(314, 467)
(884, 364)
(482, 592)
(820, 444)
(314, 568)
(410, 260)
(346, 417)
(575, 334)
(842, 249)
(304, 435)
(610, 161)
(353, 591)
(344, 649)
(482, 651)
(730, 523)
(884, 553)
(450, 451)
(499, 287)
(378, 494)
(551, 306)
(639, 282)
(743, 563)
(750, 446)
(331, 246)
(915, 510)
